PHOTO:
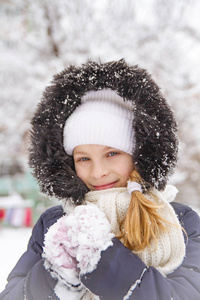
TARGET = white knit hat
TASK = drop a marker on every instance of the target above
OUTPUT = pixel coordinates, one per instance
(103, 118)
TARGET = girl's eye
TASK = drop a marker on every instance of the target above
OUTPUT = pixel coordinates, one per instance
(83, 159)
(112, 154)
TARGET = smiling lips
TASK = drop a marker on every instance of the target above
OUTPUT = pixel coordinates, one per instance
(105, 186)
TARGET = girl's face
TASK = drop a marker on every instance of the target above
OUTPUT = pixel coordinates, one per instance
(101, 167)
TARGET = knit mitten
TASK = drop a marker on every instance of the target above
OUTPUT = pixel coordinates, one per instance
(74, 243)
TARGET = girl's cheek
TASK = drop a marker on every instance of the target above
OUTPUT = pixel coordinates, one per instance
(81, 173)
(77, 169)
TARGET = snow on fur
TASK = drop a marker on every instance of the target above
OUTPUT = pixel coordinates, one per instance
(74, 243)
(156, 142)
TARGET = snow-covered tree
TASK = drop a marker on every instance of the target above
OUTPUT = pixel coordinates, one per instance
(41, 37)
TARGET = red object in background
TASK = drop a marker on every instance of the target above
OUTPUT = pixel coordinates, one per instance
(28, 218)
(2, 214)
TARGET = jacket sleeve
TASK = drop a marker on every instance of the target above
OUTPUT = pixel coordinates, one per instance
(29, 279)
(120, 274)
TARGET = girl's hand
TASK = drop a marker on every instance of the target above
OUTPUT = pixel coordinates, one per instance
(74, 243)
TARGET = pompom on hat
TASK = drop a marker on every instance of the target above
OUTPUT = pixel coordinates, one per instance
(154, 129)
(103, 118)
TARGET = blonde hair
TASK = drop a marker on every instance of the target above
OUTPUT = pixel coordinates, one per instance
(142, 222)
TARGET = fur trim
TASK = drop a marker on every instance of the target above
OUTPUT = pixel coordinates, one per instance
(155, 128)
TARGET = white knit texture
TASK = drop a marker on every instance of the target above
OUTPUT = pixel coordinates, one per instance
(171, 247)
(103, 118)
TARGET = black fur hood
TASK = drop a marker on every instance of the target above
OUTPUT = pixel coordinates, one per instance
(155, 128)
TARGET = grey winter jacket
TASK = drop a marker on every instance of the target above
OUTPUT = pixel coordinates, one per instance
(118, 270)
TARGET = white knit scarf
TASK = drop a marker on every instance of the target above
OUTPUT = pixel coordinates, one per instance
(170, 249)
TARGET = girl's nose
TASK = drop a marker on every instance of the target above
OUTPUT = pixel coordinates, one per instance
(99, 170)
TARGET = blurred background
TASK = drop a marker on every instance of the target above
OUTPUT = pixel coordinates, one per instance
(40, 38)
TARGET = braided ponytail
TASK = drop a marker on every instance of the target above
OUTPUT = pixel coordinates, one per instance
(142, 222)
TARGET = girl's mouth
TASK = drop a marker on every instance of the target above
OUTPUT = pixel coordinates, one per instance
(105, 186)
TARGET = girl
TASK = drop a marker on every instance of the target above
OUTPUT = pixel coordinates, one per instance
(104, 142)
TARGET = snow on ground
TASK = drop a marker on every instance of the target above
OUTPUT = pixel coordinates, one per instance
(13, 244)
